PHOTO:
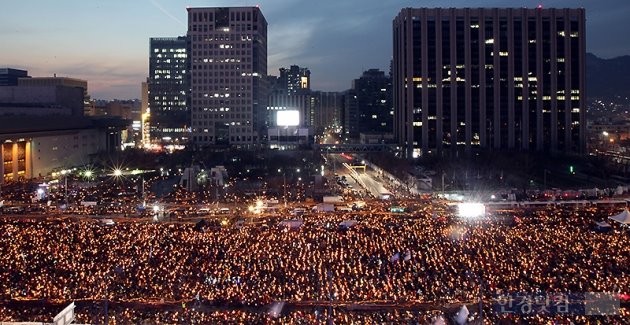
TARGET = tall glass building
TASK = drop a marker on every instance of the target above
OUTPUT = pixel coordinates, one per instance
(169, 115)
(491, 78)
(228, 60)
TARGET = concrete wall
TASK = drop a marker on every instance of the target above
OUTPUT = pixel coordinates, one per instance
(68, 150)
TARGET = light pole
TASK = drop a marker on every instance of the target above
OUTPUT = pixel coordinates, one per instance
(284, 185)
(65, 186)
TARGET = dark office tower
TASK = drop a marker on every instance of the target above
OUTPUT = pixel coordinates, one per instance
(9, 77)
(368, 105)
(228, 53)
(326, 110)
(491, 78)
(295, 80)
(168, 111)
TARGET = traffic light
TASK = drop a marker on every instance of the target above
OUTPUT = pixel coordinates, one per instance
(571, 170)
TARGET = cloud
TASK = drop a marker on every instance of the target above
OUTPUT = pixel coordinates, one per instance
(291, 41)
(107, 79)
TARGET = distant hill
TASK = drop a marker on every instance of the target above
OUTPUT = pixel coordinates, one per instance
(607, 77)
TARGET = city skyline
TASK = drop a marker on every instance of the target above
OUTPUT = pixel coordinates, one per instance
(107, 43)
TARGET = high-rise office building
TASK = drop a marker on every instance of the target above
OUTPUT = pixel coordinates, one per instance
(326, 110)
(228, 60)
(368, 105)
(295, 80)
(168, 87)
(491, 78)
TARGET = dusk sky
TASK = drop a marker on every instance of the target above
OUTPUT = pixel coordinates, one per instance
(107, 41)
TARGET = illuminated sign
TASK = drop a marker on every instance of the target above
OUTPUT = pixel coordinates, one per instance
(288, 118)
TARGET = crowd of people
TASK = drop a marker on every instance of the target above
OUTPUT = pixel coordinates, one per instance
(422, 257)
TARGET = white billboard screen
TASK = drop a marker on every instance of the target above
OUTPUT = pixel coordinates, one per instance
(288, 118)
(471, 210)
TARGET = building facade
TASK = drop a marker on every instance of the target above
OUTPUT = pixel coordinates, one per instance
(36, 146)
(511, 79)
(59, 81)
(41, 100)
(368, 105)
(300, 103)
(168, 88)
(326, 110)
(9, 76)
(228, 60)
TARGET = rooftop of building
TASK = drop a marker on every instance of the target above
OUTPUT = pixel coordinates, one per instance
(12, 70)
(23, 124)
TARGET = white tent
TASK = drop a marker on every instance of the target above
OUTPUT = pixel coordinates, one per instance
(347, 223)
(602, 224)
(291, 224)
(462, 315)
(623, 217)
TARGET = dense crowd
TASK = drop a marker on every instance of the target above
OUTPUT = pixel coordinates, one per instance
(153, 315)
(422, 257)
